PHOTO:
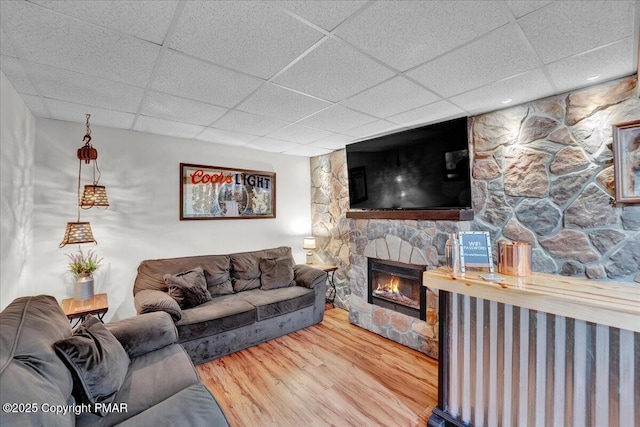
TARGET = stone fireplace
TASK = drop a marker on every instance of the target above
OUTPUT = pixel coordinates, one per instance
(402, 249)
(397, 286)
(542, 173)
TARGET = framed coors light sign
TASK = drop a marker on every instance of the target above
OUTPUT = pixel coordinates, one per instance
(214, 192)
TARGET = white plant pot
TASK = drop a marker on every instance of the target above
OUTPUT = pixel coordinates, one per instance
(83, 289)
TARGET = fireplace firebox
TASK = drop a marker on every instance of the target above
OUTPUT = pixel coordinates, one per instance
(397, 286)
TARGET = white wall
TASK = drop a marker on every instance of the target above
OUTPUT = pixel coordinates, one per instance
(17, 140)
(141, 173)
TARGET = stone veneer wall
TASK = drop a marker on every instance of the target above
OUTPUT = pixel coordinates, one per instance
(541, 173)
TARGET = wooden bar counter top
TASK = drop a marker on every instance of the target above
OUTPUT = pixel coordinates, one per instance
(608, 303)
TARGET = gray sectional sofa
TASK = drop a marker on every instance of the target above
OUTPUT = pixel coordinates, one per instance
(134, 369)
(255, 296)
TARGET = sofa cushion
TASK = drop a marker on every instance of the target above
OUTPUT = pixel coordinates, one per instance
(188, 288)
(30, 371)
(144, 333)
(220, 314)
(276, 302)
(152, 378)
(276, 273)
(245, 272)
(224, 288)
(194, 406)
(216, 272)
(97, 361)
(152, 300)
(151, 271)
(245, 266)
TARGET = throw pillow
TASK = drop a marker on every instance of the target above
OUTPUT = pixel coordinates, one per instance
(97, 361)
(216, 273)
(219, 289)
(188, 288)
(276, 273)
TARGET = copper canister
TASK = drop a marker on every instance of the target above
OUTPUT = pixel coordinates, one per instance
(514, 258)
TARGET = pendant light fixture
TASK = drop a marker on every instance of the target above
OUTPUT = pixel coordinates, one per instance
(94, 195)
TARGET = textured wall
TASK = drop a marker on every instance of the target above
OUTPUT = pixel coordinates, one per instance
(541, 174)
(16, 215)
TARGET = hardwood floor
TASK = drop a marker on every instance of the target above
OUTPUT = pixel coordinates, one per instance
(331, 374)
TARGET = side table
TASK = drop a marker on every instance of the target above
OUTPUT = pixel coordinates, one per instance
(79, 310)
(330, 269)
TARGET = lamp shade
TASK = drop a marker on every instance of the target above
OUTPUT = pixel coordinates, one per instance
(77, 232)
(94, 195)
(309, 243)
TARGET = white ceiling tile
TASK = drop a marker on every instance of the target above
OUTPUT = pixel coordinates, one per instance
(371, 129)
(307, 151)
(496, 56)
(273, 145)
(6, 48)
(35, 105)
(166, 127)
(169, 107)
(405, 34)
(226, 137)
(190, 78)
(251, 36)
(61, 110)
(239, 121)
(66, 58)
(567, 28)
(336, 119)
(520, 8)
(438, 111)
(333, 142)
(86, 90)
(391, 97)
(299, 134)
(333, 71)
(614, 60)
(50, 38)
(326, 14)
(147, 20)
(17, 75)
(523, 88)
(280, 103)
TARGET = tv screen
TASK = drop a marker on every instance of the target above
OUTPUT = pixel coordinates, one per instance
(421, 168)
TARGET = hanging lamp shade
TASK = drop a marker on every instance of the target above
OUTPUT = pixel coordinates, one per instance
(94, 195)
(77, 232)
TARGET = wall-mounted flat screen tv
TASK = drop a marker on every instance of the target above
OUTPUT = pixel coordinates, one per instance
(422, 168)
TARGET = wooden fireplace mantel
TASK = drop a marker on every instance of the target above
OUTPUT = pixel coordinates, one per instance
(433, 214)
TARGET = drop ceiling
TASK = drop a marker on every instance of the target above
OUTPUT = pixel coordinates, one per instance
(304, 77)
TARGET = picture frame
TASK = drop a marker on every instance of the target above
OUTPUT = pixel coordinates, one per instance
(358, 184)
(215, 192)
(475, 250)
(626, 161)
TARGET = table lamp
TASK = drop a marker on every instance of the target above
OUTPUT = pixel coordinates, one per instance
(309, 243)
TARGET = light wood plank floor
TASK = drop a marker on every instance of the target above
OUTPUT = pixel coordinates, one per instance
(331, 374)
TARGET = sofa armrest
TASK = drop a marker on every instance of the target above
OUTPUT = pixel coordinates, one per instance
(145, 333)
(150, 300)
(308, 276)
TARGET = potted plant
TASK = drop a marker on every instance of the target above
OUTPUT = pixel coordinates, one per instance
(82, 267)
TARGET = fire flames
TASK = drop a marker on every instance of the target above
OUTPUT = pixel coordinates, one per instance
(391, 291)
(392, 286)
